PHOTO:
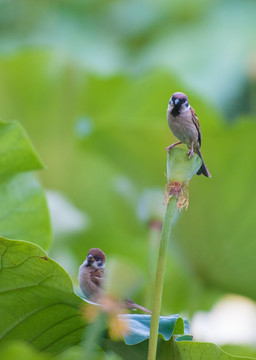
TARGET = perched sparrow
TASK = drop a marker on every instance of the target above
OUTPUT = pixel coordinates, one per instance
(184, 124)
(91, 279)
(91, 274)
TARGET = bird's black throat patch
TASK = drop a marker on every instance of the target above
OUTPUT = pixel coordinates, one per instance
(176, 110)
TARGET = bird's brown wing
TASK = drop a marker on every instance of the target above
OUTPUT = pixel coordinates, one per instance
(196, 123)
(97, 277)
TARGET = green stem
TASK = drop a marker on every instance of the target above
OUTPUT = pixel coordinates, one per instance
(154, 241)
(166, 231)
(92, 336)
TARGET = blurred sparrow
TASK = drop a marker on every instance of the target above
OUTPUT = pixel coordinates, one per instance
(184, 124)
(91, 279)
(91, 274)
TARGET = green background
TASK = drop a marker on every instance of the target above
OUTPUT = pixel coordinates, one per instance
(90, 82)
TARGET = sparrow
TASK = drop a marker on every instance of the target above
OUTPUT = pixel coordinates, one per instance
(184, 124)
(92, 277)
(91, 274)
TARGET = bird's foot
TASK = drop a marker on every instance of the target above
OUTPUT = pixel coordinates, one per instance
(190, 153)
(172, 146)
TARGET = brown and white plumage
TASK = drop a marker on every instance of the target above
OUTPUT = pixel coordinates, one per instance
(184, 124)
(92, 276)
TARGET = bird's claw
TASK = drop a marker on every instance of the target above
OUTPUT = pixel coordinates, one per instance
(190, 153)
(172, 146)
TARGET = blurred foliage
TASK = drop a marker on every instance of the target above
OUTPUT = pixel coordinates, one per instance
(22, 351)
(18, 349)
(109, 37)
(90, 81)
(23, 208)
(39, 308)
(174, 349)
(221, 220)
(237, 350)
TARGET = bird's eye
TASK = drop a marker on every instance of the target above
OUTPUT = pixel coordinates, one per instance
(97, 258)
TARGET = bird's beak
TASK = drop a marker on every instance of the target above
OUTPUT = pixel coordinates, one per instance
(90, 259)
(176, 101)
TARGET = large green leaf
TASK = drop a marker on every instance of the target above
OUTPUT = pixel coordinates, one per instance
(37, 302)
(38, 306)
(171, 350)
(174, 349)
(23, 208)
(16, 151)
(13, 350)
(238, 350)
(18, 350)
(189, 350)
(173, 344)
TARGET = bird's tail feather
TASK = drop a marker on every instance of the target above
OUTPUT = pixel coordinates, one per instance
(203, 169)
(133, 306)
